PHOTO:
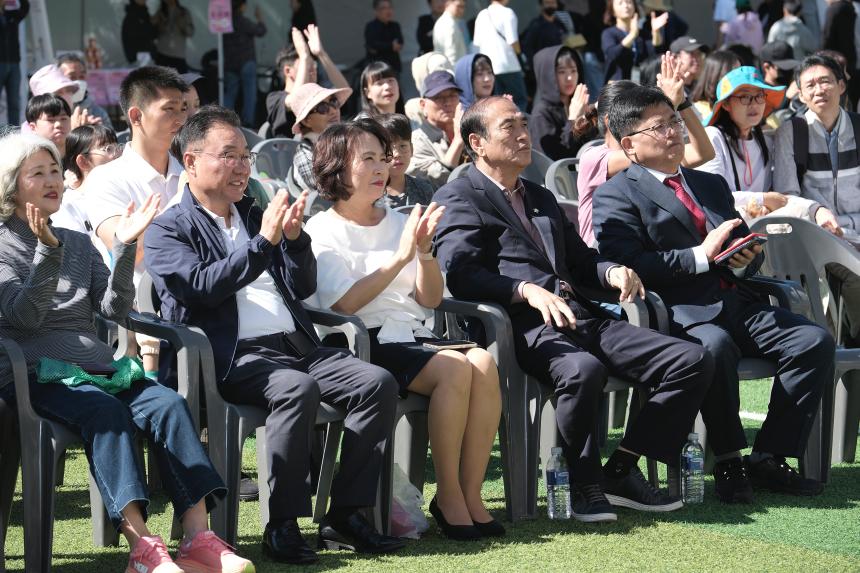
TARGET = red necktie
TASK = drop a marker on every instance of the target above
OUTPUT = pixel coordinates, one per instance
(674, 182)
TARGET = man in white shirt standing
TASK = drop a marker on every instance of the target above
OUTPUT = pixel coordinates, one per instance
(496, 37)
(450, 36)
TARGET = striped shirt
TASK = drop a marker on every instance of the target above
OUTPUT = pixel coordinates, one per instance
(48, 296)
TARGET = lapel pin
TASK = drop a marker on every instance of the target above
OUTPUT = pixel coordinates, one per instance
(535, 211)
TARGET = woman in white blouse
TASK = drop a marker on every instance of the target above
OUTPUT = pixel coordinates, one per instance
(378, 264)
(744, 157)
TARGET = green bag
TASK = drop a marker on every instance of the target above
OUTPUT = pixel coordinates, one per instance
(128, 371)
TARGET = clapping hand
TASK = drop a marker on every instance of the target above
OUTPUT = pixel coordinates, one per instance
(293, 217)
(82, 116)
(39, 226)
(314, 43)
(426, 227)
(299, 43)
(670, 80)
(272, 225)
(658, 22)
(578, 102)
(133, 223)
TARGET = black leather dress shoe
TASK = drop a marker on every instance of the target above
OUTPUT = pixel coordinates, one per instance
(248, 488)
(284, 543)
(491, 528)
(354, 533)
(455, 532)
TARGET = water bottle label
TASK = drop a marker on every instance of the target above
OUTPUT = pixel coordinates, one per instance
(555, 477)
(692, 463)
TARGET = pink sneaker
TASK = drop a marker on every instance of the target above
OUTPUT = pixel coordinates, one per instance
(150, 556)
(207, 553)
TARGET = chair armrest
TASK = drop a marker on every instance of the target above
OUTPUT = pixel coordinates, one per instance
(494, 319)
(788, 294)
(636, 311)
(18, 365)
(187, 345)
(350, 325)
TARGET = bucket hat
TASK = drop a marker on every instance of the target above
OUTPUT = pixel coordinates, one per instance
(745, 76)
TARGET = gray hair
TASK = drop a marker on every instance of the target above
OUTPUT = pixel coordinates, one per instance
(15, 148)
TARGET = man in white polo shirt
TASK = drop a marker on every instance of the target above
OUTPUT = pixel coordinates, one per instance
(497, 38)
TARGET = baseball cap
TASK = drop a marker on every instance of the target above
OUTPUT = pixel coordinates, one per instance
(780, 54)
(685, 44)
(745, 76)
(437, 82)
(49, 79)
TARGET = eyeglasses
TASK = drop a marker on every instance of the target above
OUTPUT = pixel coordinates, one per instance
(232, 159)
(747, 99)
(824, 81)
(109, 150)
(662, 129)
(324, 107)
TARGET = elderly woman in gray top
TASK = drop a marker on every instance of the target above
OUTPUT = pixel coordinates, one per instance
(52, 282)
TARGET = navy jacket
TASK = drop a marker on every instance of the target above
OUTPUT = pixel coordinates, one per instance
(197, 279)
(639, 222)
(486, 252)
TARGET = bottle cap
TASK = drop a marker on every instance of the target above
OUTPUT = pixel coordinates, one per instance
(693, 437)
(555, 450)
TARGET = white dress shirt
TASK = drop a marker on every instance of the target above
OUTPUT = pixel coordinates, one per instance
(261, 309)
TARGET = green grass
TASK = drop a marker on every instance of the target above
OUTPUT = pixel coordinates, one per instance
(777, 533)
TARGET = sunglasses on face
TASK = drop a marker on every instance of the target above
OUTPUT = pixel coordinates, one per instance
(326, 106)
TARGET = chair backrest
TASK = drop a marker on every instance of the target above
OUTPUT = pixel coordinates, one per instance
(458, 171)
(147, 300)
(536, 171)
(123, 136)
(264, 130)
(799, 250)
(251, 137)
(561, 178)
(274, 158)
(588, 145)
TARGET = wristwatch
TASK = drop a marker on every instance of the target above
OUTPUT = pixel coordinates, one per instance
(684, 105)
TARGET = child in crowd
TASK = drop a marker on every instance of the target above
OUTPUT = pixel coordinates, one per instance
(49, 116)
(403, 189)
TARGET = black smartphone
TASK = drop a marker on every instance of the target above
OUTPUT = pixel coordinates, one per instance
(738, 246)
(97, 369)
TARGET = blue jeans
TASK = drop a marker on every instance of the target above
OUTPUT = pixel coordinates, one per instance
(10, 80)
(247, 80)
(514, 84)
(108, 425)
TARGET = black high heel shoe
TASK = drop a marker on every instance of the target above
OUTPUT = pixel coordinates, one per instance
(455, 532)
(491, 528)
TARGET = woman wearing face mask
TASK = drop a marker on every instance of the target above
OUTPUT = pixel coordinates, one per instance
(474, 75)
(744, 157)
(380, 90)
(557, 125)
(623, 46)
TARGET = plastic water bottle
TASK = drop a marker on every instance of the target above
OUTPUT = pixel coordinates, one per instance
(557, 486)
(692, 470)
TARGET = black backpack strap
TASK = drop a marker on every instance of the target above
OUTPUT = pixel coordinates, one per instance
(732, 158)
(855, 124)
(800, 130)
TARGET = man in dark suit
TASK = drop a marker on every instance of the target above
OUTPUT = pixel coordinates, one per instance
(669, 225)
(506, 240)
(220, 263)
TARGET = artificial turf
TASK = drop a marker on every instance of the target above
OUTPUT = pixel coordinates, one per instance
(776, 533)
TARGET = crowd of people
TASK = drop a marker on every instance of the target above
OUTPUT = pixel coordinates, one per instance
(680, 148)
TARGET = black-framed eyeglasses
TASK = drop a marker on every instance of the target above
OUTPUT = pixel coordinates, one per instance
(662, 129)
(747, 99)
(232, 159)
(324, 107)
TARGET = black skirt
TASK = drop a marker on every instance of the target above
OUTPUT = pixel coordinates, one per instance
(403, 359)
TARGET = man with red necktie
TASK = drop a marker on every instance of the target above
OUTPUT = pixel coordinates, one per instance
(669, 224)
